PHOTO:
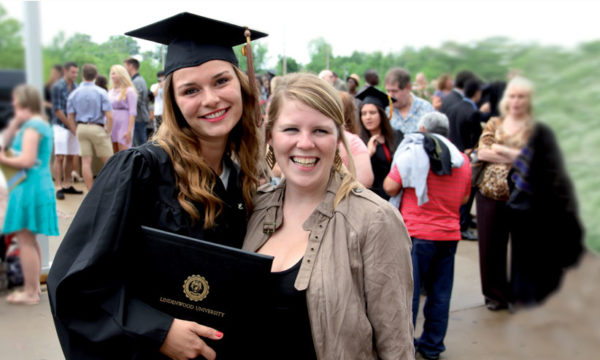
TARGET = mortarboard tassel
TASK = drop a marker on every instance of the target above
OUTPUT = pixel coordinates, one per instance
(391, 108)
(247, 52)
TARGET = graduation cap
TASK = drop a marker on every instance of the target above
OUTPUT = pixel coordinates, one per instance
(372, 95)
(193, 40)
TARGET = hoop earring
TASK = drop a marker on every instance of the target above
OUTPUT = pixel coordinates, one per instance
(270, 157)
(337, 161)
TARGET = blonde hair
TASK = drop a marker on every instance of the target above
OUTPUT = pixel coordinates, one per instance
(193, 176)
(319, 95)
(124, 80)
(28, 97)
(521, 83)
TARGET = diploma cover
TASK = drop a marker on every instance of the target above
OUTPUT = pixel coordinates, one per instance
(214, 285)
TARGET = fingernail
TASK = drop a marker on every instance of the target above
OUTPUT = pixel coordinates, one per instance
(219, 334)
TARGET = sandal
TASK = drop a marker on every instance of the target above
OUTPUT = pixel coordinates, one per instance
(20, 298)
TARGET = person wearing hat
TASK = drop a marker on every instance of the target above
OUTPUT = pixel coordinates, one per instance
(184, 181)
(377, 133)
(353, 82)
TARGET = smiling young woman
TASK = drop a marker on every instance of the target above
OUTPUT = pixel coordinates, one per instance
(185, 181)
(342, 265)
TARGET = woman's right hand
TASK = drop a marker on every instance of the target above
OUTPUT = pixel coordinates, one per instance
(184, 341)
(372, 143)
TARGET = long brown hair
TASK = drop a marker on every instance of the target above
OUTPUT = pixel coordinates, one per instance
(194, 178)
(385, 126)
(350, 113)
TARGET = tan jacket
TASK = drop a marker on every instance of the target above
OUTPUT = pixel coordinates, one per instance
(356, 271)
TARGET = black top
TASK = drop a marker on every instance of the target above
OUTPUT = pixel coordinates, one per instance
(96, 316)
(290, 332)
(464, 125)
(381, 163)
(454, 97)
(194, 40)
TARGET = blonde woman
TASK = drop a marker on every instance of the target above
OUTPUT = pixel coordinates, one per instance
(184, 181)
(341, 277)
(500, 144)
(123, 98)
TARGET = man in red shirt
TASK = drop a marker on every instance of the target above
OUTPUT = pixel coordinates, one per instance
(433, 226)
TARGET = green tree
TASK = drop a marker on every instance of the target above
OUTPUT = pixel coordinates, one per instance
(259, 56)
(320, 53)
(11, 43)
(290, 63)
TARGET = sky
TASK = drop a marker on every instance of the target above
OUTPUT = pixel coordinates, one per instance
(348, 25)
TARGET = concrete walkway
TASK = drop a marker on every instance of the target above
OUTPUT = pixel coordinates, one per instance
(566, 327)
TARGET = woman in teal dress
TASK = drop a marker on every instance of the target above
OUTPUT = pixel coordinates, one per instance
(31, 204)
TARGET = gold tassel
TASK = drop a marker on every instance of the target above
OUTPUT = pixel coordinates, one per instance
(391, 106)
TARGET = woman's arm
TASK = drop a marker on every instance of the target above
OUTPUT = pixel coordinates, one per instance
(364, 171)
(132, 107)
(28, 155)
(89, 298)
(489, 150)
(497, 154)
(9, 133)
(388, 283)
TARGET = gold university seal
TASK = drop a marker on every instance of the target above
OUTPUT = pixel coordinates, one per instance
(195, 288)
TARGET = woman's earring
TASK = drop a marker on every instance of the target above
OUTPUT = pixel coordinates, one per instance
(270, 157)
(337, 161)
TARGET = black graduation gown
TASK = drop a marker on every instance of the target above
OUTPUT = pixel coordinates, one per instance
(95, 314)
(381, 164)
(546, 233)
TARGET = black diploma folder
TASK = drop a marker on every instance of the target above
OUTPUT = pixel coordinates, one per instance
(214, 285)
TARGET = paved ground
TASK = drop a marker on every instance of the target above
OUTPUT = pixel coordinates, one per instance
(566, 327)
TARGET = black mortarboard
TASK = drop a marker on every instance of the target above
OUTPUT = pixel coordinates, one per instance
(194, 40)
(372, 95)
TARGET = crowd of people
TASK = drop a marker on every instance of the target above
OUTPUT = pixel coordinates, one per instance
(365, 195)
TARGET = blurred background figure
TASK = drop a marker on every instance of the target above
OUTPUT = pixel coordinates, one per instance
(421, 87)
(358, 149)
(546, 233)
(157, 91)
(123, 98)
(433, 225)
(377, 133)
(31, 204)
(501, 142)
(443, 88)
(327, 75)
(66, 147)
(457, 93)
(56, 72)
(142, 117)
(102, 82)
(371, 79)
(353, 82)
(338, 83)
(407, 109)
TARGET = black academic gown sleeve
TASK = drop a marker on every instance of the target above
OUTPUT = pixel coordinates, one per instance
(92, 309)
(95, 313)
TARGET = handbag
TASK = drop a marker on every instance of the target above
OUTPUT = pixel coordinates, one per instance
(13, 176)
(477, 169)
